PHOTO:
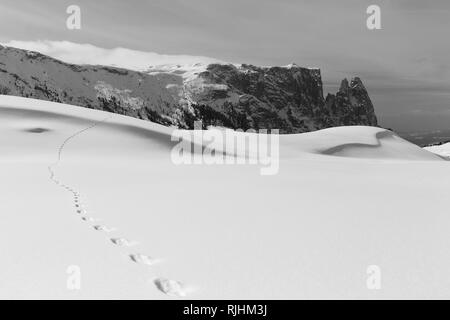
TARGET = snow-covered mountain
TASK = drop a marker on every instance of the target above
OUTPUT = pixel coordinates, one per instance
(243, 96)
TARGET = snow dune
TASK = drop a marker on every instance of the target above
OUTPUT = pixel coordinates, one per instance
(442, 150)
(358, 142)
(90, 190)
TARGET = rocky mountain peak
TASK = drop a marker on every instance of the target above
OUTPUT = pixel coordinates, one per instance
(357, 83)
(351, 105)
(344, 86)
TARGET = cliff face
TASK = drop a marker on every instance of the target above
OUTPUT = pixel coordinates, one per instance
(351, 105)
(287, 98)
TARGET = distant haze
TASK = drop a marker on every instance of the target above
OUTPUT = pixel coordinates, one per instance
(405, 66)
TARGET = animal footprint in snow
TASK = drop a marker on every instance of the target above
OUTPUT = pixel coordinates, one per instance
(143, 259)
(170, 287)
(90, 219)
(103, 228)
(122, 242)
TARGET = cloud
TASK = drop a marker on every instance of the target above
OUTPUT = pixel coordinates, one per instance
(118, 57)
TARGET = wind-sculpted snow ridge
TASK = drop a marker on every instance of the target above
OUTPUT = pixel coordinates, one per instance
(358, 142)
(442, 150)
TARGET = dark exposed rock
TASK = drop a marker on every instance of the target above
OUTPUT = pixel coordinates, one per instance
(351, 105)
(287, 98)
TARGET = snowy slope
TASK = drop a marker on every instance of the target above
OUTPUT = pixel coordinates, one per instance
(443, 149)
(344, 199)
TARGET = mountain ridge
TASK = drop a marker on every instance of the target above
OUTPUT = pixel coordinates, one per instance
(245, 96)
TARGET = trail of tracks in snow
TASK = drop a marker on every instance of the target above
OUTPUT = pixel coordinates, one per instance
(167, 286)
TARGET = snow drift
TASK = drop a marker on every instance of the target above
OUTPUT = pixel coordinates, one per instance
(442, 150)
(96, 192)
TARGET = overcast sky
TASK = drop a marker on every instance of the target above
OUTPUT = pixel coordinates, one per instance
(405, 66)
